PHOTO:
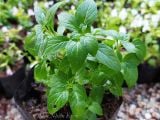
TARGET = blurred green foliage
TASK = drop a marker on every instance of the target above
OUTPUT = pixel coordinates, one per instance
(14, 21)
(14, 11)
(140, 18)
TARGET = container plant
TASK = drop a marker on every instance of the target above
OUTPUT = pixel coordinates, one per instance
(14, 23)
(140, 19)
(11, 60)
(12, 68)
(79, 64)
(13, 29)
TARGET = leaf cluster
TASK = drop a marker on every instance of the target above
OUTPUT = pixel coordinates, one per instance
(79, 63)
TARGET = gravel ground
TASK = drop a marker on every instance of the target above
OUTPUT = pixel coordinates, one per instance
(8, 111)
(141, 103)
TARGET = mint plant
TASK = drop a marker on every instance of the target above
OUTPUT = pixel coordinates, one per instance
(78, 63)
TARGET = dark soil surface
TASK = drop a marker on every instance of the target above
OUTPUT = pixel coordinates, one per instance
(36, 105)
(111, 106)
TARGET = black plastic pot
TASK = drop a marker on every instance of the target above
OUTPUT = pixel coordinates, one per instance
(9, 84)
(21, 80)
(24, 92)
(35, 93)
(27, 116)
(148, 74)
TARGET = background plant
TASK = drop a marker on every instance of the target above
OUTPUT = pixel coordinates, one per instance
(77, 59)
(17, 17)
(14, 24)
(140, 18)
(15, 12)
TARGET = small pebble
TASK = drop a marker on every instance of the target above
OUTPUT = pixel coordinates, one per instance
(156, 115)
(8, 111)
(137, 111)
(121, 114)
(148, 116)
(141, 103)
(132, 106)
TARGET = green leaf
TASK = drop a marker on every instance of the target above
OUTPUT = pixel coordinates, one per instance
(136, 46)
(108, 33)
(50, 15)
(96, 108)
(64, 65)
(90, 43)
(91, 116)
(82, 76)
(54, 44)
(41, 72)
(132, 59)
(68, 21)
(130, 47)
(109, 42)
(129, 69)
(30, 44)
(60, 30)
(106, 56)
(115, 77)
(39, 14)
(118, 79)
(97, 77)
(40, 43)
(119, 55)
(107, 71)
(58, 95)
(76, 117)
(123, 37)
(112, 33)
(86, 12)
(97, 93)
(76, 54)
(130, 73)
(140, 49)
(78, 100)
(116, 90)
